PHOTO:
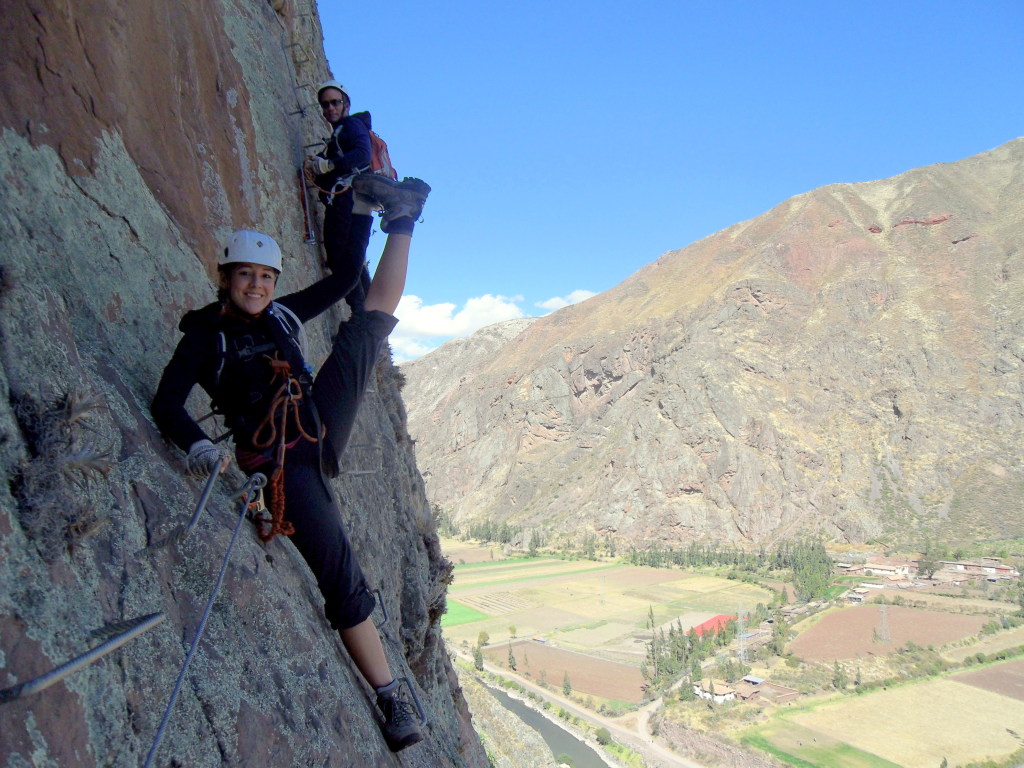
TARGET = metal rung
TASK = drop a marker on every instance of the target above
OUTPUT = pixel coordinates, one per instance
(57, 674)
(383, 629)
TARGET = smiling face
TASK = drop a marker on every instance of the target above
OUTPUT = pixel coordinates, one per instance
(334, 105)
(250, 287)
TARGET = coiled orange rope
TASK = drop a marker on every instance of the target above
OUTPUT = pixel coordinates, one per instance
(285, 402)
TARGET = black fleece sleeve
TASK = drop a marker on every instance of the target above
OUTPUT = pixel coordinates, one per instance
(177, 381)
(312, 301)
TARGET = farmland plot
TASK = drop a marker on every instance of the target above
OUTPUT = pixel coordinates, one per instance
(1006, 678)
(857, 632)
(916, 726)
(587, 674)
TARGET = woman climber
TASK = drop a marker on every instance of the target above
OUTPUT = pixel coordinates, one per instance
(245, 351)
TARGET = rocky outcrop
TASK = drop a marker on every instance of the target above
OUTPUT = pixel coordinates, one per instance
(848, 363)
(134, 138)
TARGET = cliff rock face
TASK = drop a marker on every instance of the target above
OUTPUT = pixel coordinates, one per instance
(847, 363)
(135, 137)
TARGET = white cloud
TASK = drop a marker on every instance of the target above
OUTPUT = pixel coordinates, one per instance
(423, 327)
(407, 349)
(557, 302)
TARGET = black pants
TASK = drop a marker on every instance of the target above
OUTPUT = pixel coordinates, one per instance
(346, 236)
(309, 502)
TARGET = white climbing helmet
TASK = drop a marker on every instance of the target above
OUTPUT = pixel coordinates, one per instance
(332, 84)
(253, 248)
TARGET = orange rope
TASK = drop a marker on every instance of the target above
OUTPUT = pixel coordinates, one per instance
(311, 184)
(286, 401)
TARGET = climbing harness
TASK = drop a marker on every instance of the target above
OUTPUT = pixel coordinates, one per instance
(273, 433)
(339, 187)
(136, 628)
(294, 331)
(252, 486)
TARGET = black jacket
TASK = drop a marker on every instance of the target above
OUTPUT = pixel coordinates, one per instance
(348, 148)
(234, 369)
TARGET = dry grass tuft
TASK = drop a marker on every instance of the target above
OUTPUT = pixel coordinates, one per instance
(87, 463)
(78, 405)
(49, 484)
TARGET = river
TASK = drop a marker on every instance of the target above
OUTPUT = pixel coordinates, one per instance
(557, 738)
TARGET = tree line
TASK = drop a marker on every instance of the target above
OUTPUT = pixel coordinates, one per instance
(806, 559)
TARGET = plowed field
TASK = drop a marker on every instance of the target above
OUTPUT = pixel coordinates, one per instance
(855, 632)
(587, 674)
(1006, 678)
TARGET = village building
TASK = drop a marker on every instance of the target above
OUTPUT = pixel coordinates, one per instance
(991, 568)
(778, 694)
(898, 573)
(761, 691)
(712, 691)
(746, 691)
(880, 567)
(887, 568)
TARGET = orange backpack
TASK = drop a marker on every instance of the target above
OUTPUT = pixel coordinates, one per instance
(380, 160)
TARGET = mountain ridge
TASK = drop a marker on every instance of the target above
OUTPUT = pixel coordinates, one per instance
(787, 374)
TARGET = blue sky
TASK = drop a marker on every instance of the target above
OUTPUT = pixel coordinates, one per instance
(570, 143)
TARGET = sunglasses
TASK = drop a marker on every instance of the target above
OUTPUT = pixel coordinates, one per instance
(332, 103)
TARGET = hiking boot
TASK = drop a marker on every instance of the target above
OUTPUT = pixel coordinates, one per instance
(363, 205)
(401, 727)
(400, 199)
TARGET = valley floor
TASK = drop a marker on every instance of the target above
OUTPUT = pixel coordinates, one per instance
(574, 633)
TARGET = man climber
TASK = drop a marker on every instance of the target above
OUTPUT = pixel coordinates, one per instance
(347, 221)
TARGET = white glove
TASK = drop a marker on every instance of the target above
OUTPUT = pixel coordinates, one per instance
(318, 166)
(204, 458)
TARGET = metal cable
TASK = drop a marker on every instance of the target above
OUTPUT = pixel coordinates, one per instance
(177, 535)
(251, 487)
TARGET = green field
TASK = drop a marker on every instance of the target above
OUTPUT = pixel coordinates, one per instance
(518, 561)
(584, 605)
(515, 574)
(805, 749)
(458, 613)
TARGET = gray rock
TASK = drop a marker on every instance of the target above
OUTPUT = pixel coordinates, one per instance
(133, 141)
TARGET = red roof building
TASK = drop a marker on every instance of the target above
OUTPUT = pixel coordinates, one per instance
(713, 625)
